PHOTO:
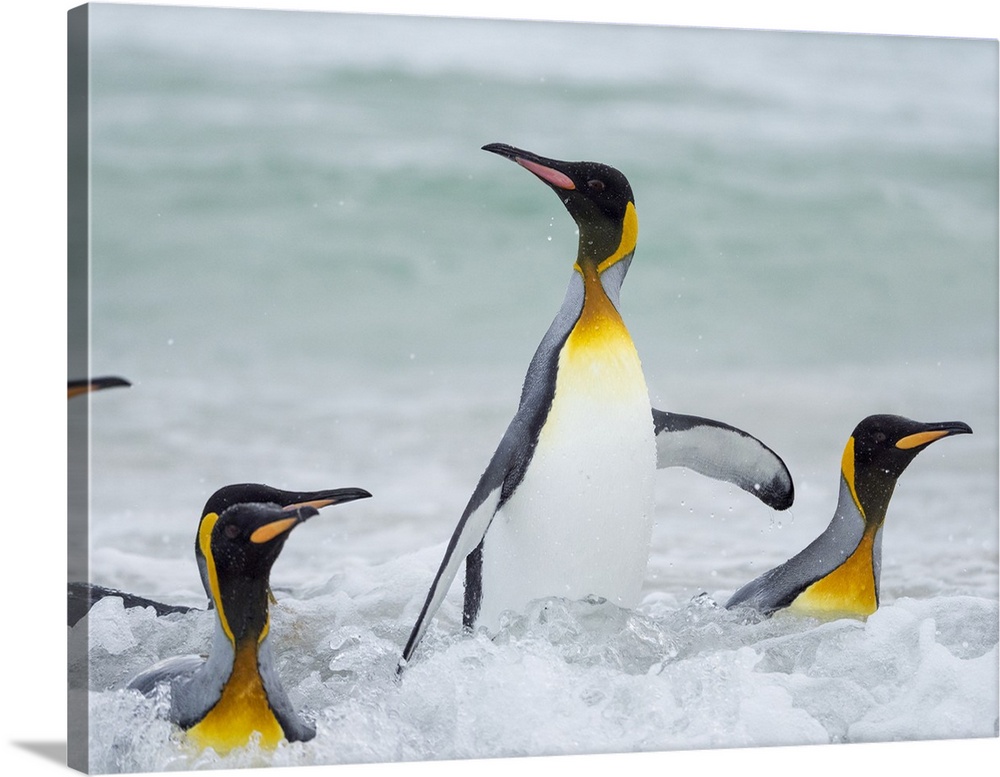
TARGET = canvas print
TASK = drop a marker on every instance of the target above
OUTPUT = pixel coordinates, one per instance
(463, 389)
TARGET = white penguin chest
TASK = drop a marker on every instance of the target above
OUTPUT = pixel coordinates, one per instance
(580, 521)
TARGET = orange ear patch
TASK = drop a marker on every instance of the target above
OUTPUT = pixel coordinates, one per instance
(269, 531)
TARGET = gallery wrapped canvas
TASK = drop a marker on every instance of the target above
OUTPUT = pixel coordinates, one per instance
(459, 389)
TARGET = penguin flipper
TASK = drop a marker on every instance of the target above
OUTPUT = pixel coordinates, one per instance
(83, 596)
(165, 671)
(722, 452)
(502, 475)
(468, 534)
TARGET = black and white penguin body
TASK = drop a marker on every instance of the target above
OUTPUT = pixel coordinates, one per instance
(565, 506)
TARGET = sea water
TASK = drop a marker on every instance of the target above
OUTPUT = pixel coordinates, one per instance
(314, 278)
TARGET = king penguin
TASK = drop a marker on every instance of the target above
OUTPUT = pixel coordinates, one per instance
(837, 575)
(565, 505)
(225, 699)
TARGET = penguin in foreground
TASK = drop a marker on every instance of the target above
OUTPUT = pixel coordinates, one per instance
(225, 699)
(837, 575)
(85, 385)
(83, 596)
(565, 506)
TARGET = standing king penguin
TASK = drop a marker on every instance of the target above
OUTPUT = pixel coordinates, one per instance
(565, 506)
(224, 699)
(837, 574)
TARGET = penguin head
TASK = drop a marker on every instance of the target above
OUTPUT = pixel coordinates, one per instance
(246, 493)
(597, 196)
(242, 493)
(247, 538)
(880, 448)
(240, 546)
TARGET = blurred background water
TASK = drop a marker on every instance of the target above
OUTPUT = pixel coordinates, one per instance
(314, 278)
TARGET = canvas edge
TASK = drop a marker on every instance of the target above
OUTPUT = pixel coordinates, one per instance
(78, 366)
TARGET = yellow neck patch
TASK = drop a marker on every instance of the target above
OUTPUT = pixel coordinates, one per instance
(241, 710)
(848, 590)
(847, 467)
(205, 543)
(598, 364)
(630, 234)
(600, 325)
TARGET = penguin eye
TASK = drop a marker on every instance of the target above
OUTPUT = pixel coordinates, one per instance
(596, 185)
(232, 531)
(879, 437)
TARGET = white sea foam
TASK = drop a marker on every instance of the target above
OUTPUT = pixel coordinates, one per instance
(570, 677)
